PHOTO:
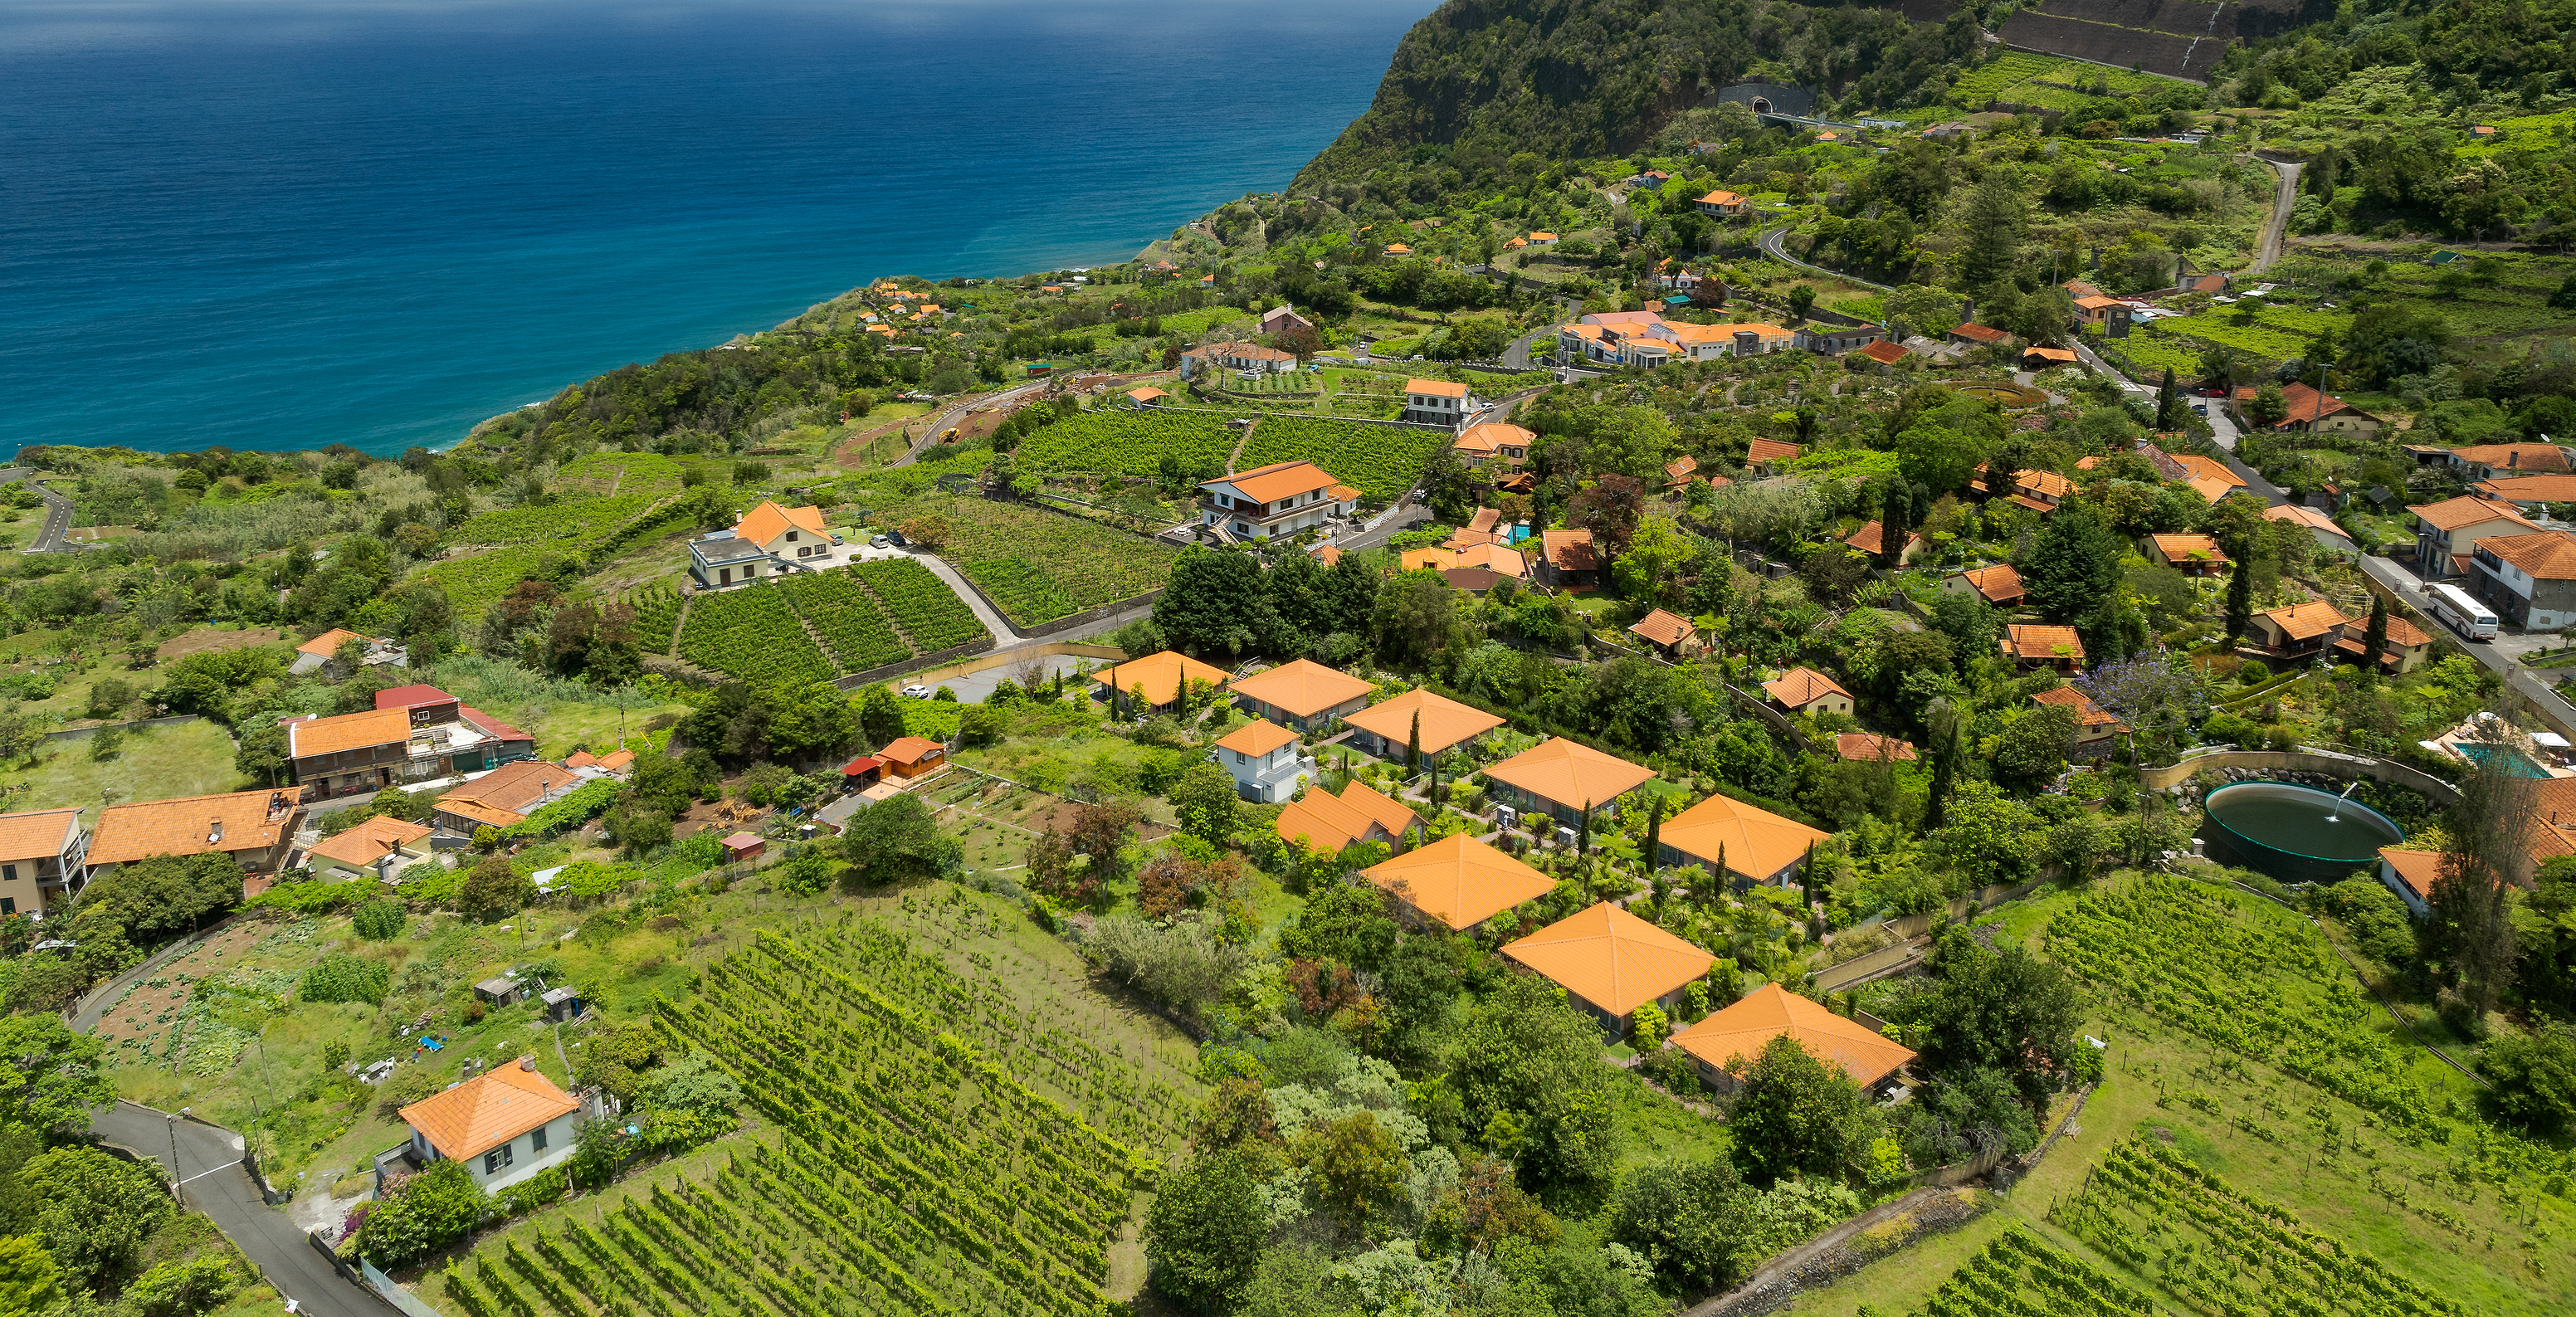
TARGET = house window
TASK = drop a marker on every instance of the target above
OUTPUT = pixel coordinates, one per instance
(537, 1140)
(8, 873)
(8, 905)
(791, 537)
(494, 1160)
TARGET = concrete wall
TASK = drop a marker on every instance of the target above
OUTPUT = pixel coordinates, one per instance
(2305, 761)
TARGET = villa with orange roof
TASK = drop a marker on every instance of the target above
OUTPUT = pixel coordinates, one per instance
(1386, 728)
(785, 533)
(2192, 555)
(503, 1125)
(1302, 694)
(2404, 651)
(2298, 631)
(1568, 559)
(43, 860)
(378, 848)
(1722, 1045)
(2095, 726)
(1805, 690)
(1494, 441)
(2044, 647)
(1872, 539)
(1459, 881)
(2529, 579)
(1872, 748)
(1321, 819)
(1769, 455)
(1673, 636)
(1563, 778)
(1721, 203)
(1161, 677)
(1277, 500)
(1610, 962)
(2446, 533)
(1435, 402)
(1263, 759)
(1737, 843)
(1999, 585)
(255, 828)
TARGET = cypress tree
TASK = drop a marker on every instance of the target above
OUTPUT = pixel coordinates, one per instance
(2240, 601)
(1413, 746)
(1654, 835)
(2168, 403)
(2374, 642)
(1583, 831)
(1892, 530)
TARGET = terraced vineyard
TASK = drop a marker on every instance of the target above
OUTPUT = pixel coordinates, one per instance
(1128, 443)
(753, 634)
(1038, 566)
(1381, 460)
(612, 472)
(475, 583)
(2021, 1276)
(581, 521)
(914, 1160)
(657, 618)
(920, 603)
(851, 623)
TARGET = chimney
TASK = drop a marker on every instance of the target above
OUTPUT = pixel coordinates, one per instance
(528, 1062)
(214, 832)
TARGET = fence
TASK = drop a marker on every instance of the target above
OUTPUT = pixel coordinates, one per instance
(393, 1292)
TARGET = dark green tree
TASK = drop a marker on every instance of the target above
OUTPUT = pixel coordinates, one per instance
(2169, 408)
(2240, 600)
(2374, 640)
(2003, 1010)
(1796, 1115)
(52, 1078)
(1991, 221)
(1529, 1069)
(1207, 803)
(1204, 1233)
(895, 841)
(1688, 1217)
(2073, 565)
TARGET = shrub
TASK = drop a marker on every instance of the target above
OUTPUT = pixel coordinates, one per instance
(532, 1193)
(344, 977)
(2253, 673)
(379, 920)
(421, 1215)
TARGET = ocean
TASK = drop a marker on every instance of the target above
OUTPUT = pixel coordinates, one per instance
(288, 225)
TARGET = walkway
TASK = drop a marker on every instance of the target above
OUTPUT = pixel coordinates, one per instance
(207, 1160)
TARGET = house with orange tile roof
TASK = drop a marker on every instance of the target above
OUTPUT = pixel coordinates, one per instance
(2531, 493)
(1678, 472)
(2040, 491)
(376, 848)
(1302, 694)
(2095, 727)
(43, 860)
(1725, 1043)
(1805, 690)
(1494, 441)
(503, 1125)
(1673, 636)
(908, 757)
(2192, 555)
(1880, 352)
(1265, 762)
(2447, 532)
(2496, 461)
(1277, 500)
(2307, 409)
(1979, 336)
(1610, 962)
(1322, 819)
(786, 534)
(1386, 728)
(1542, 239)
(1161, 676)
(255, 828)
(1435, 402)
(2033, 646)
(1145, 395)
(2404, 651)
(1872, 748)
(325, 647)
(2411, 874)
(1871, 539)
(413, 733)
(1459, 881)
(1737, 843)
(1567, 558)
(504, 797)
(1721, 203)
(1999, 585)
(2321, 527)
(2298, 631)
(1562, 779)
(1246, 358)
(1770, 455)
(2530, 580)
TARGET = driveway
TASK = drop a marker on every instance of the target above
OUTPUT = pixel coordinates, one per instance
(1003, 636)
(207, 1160)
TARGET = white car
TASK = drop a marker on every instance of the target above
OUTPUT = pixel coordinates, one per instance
(916, 692)
(878, 541)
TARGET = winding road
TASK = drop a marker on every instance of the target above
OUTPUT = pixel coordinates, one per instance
(52, 537)
(1772, 246)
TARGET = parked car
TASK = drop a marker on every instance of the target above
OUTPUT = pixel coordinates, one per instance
(2200, 409)
(877, 541)
(916, 692)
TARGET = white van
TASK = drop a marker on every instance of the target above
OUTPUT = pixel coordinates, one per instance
(2460, 611)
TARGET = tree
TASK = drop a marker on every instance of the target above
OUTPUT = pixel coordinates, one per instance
(1991, 221)
(1611, 508)
(2483, 861)
(166, 895)
(1344, 922)
(1450, 488)
(2240, 600)
(1937, 457)
(2034, 748)
(898, 840)
(1796, 1115)
(1207, 803)
(2170, 412)
(421, 1214)
(2533, 1078)
(1801, 299)
(1658, 557)
(981, 724)
(52, 1078)
(1688, 1217)
(94, 1212)
(1967, 1114)
(880, 715)
(1892, 529)
(2374, 640)
(1216, 603)
(2002, 1010)
(494, 890)
(2073, 565)
(1417, 618)
(1528, 1067)
(1356, 1167)
(1203, 1235)
(29, 1280)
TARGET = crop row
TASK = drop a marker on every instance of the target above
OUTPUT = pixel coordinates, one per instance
(1381, 460)
(1128, 443)
(2160, 1215)
(2020, 1276)
(657, 618)
(848, 618)
(579, 520)
(925, 607)
(1036, 565)
(473, 584)
(753, 634)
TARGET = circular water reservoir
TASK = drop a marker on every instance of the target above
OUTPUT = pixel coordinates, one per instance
(2295, 833)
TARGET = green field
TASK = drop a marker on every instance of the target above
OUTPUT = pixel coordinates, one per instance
(154, 763)
(1381, 460)
(1116, 441)
(2023, 78)
(1038, 566)
(753, 634)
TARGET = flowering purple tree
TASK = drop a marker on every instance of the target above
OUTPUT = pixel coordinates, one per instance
(2153, 693)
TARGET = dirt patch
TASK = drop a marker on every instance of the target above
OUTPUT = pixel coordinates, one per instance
(205, 640)
(147, 1012)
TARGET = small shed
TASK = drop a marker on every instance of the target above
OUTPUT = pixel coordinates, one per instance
(743, 846)
(861, 773)
(563, 1005)
(502, 991)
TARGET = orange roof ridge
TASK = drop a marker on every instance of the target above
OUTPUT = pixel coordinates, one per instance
(1460, 881)
(1570, 773)
(1445, 722)
(1611, 958)
(487, 1111)
(1757, 843)
(1302, 687)
(1769, 1012)
(1256, 738)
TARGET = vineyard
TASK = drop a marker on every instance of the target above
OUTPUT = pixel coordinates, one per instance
(657, 618)
(1035, 565)
(475, 583)
(849, 620)
(2165, 1218)
(929, 1143)
(1382, 460)
(608, 472)
(920, 603)
(2020, 1276)
(1129, 443)
(753, 634)
(582, 521)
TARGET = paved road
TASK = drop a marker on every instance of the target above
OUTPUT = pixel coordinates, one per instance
(2500, 656)
(50, 537)
(955, 413)
(208, 1163)
(2276, 229)
(1771, 247)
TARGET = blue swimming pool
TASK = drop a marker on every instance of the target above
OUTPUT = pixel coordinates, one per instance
(2515, 761)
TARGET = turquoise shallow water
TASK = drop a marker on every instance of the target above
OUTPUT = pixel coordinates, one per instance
(290, 225)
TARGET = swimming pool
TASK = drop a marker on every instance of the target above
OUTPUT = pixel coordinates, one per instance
(2516, 762)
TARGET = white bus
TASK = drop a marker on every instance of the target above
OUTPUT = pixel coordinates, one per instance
(2461, 611)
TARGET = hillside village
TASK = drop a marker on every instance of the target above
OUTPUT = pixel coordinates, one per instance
(1901, 696)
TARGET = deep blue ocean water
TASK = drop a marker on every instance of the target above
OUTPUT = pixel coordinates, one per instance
(293, 224)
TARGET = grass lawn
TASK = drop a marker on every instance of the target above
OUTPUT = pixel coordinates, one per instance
(157, 763)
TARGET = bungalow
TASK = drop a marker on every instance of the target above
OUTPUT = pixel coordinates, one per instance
(1722, 1045)
(2097, 309)
(1834, 340)
(1722, 203)
(2037, 357)
(2039, 491)
(2411, 874)
(2094, 726)
(1262, 758)
(1320, 818)
(503, 797)
(2405, 649)
(377, 848)
(2299, 631)
(909, 757)
(1280, 319)
(2531, 579)
(2192, 555)
(1275, 501)
(1246, 358)
(1999, 585)
(1870, 747)
(786, 534)
(1563, 778)
(2530, 493)
(255, 828)
(2324, 413)
(1145, 395)
(2488, 461)
(1678, 472)
(2446, 531)
(1768, 456)
(371, 652)
(1567, 558)
(1883, 353)
(1610, 962)
(721, 558)
(2044, 647)
(1459, 881)
(1872, 540)
(2195, 468)
(504, 1125)
(1162, 677)
(1494, 441)
(2328, 535)
(1672, 635)
(1543, 239)
(1805, 690)
(43, 856)
(1435, 402)
(1738, 844)
(1302, 694)
(1387, 728)
(1979, 336)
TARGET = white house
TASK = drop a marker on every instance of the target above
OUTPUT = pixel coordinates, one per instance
(1263, 758)
(1435, 402)
(1276, 500)
(1249, 358)
(721, 558)
(504, 1125)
